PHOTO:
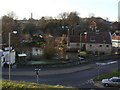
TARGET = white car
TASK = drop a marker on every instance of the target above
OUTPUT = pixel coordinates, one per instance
(81, 58)
(114, 81)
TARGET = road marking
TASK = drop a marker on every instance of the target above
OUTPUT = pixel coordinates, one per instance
(90, 81)
(102, 64)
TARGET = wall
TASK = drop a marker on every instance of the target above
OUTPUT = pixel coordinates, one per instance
(75, 46)
(116, 43)
(96, 48)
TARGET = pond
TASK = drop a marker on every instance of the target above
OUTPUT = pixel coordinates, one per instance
(36, 62)
(37, 53)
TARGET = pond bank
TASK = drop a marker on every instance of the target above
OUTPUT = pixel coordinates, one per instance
(69, 62)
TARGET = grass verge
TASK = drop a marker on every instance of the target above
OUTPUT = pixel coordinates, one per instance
(109, 75)
(14, 85)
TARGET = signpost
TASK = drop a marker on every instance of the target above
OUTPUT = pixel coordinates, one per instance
(37, 73)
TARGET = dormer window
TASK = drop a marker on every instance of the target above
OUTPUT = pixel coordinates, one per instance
(104, 39)
(97, 31)
(92, 38)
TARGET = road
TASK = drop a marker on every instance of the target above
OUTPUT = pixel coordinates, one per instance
(80, 78)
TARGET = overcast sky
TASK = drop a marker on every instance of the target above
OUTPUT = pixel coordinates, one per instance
(39, 8)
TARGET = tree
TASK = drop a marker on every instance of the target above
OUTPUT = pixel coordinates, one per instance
(49, 48)
(8, 25)
(63, 15)
(12, 15)
(29, 29)
(73, 19)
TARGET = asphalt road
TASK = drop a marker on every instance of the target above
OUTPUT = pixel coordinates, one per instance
(80, 78)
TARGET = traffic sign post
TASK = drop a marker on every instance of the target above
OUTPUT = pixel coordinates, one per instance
(37, 73)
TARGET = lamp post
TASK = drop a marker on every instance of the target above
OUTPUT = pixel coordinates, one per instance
(118, 46)
(80, 43)
(9, 57)
(37, 73)
(14, 32)
(85, 33)
(79, 56)
(68, 37)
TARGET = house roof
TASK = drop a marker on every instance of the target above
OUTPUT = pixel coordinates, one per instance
(92, 37)
(99, 37)
(116, 33)
(77, 39)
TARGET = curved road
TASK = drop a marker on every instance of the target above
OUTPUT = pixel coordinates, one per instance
(79, 76)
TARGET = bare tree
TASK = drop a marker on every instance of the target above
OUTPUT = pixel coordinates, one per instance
(12, 15)
(73, 18)
(63, 15)
(8, 25)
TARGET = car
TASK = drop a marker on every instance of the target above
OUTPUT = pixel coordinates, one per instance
(114, 81)
(81, 57)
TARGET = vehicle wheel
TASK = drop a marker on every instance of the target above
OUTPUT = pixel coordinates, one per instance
(106, 84)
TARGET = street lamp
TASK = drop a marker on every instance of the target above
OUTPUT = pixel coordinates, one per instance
(68, 36)
(118, 46)
(80, 48)
(14, 32)
(37, 73)
(81, 44)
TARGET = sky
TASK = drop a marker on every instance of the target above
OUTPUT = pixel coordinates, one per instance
(24, 8)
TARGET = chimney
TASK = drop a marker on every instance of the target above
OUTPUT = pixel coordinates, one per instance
(31, 16)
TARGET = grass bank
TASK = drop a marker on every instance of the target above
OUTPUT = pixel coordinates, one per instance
(14, 85)
(109, 75)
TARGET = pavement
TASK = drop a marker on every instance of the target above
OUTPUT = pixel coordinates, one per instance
(98, 84)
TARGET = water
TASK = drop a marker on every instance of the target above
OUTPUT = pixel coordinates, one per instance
(38, 53)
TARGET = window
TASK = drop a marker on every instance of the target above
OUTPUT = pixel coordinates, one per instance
(92, 38)
(114, 80)
(104, 39)
(90, 45)
(77, 44)
(118, 80)
(100, 45)
(107, 45)
(36, 49)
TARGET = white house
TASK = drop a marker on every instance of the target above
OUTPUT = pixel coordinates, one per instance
(5, 58)
(116, 39)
